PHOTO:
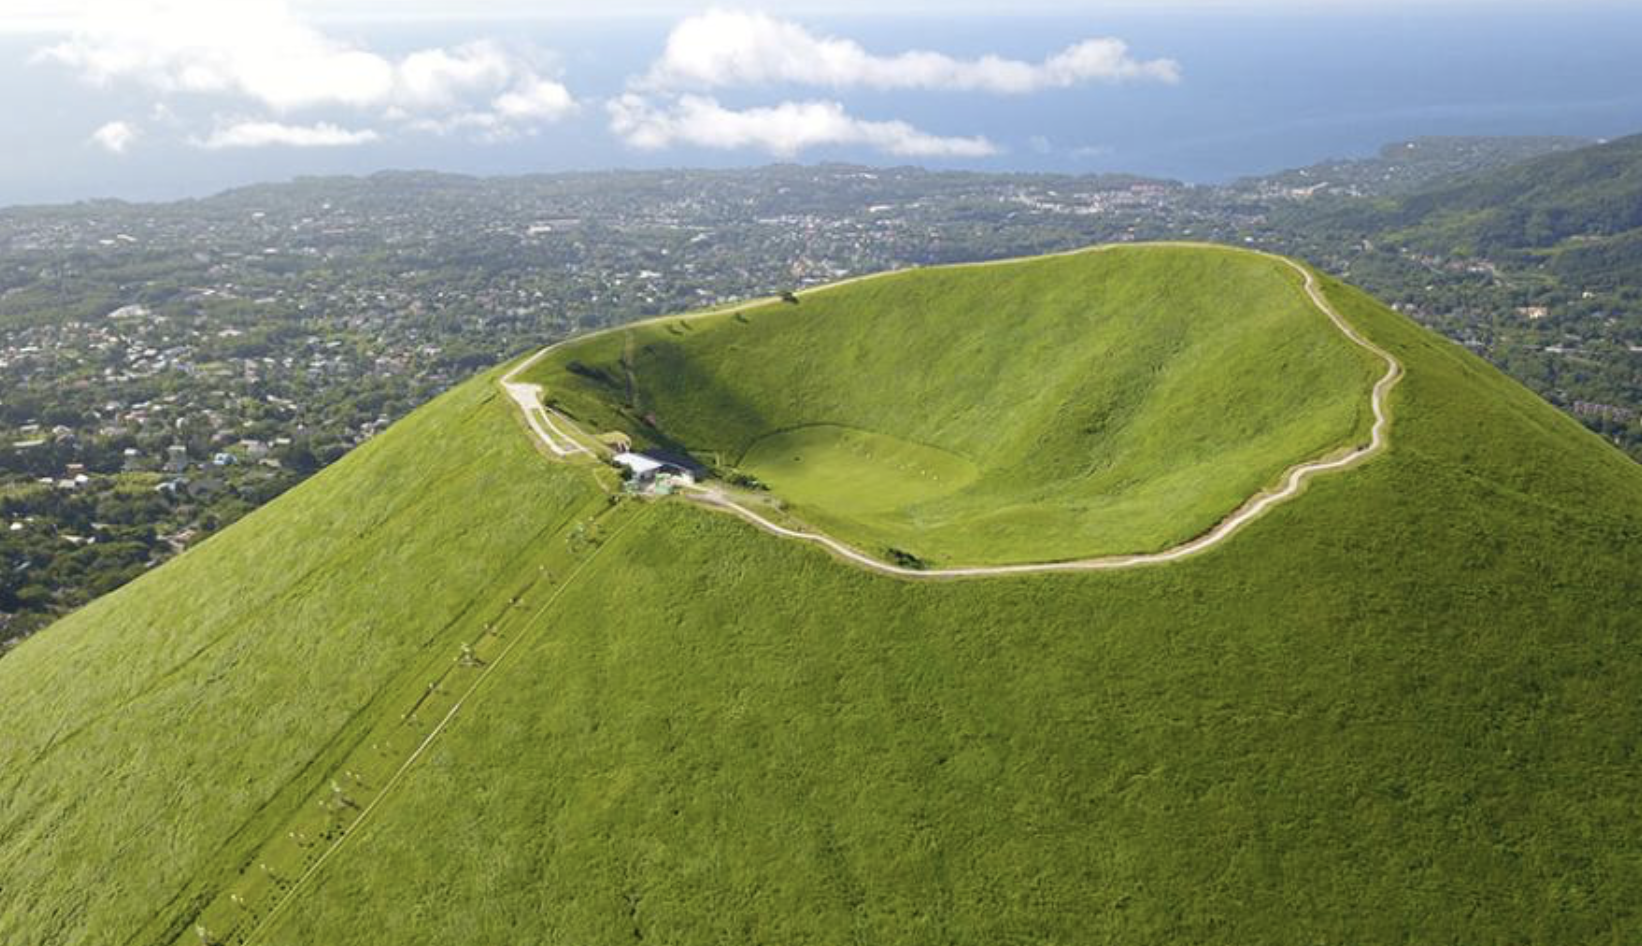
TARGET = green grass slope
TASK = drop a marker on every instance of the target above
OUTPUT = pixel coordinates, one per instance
(154, 737)
(1400, 708)
(1062, 407)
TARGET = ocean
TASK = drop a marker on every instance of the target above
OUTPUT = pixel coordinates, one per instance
(1260, 92)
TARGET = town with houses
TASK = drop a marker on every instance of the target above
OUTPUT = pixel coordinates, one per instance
(166, 368)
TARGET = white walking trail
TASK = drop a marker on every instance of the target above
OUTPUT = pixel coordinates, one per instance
(562, 445)
(529, 399)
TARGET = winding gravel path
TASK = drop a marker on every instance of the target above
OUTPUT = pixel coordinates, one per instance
(528, 397)
(540, 419)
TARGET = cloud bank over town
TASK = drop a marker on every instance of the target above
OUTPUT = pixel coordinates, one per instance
(783, 130)
(270, 75)
(727, 49)
(259, 53)
(258, 134)
(724, 48)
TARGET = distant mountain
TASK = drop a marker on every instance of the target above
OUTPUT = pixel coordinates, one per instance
(1580, 212)
(452, 690)
(1404, 167)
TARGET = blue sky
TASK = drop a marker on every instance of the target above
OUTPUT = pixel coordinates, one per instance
(162, 98)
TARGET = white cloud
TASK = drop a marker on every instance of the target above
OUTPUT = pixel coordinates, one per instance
(442, 77)
(723, 48)
(536, 99)
(255, 48)
(115, 136)
(259, 134)
(262, 51)
(783, 130)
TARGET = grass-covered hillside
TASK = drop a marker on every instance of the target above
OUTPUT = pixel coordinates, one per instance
(153, 738)
(1103, 402)
(1398, 709)
(1578, 212)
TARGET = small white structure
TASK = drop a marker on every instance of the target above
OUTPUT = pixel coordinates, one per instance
(641, 465)
(657, 471)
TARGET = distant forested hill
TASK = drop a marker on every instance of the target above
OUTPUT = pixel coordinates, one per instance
(1406, 167)
(1580, 204)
